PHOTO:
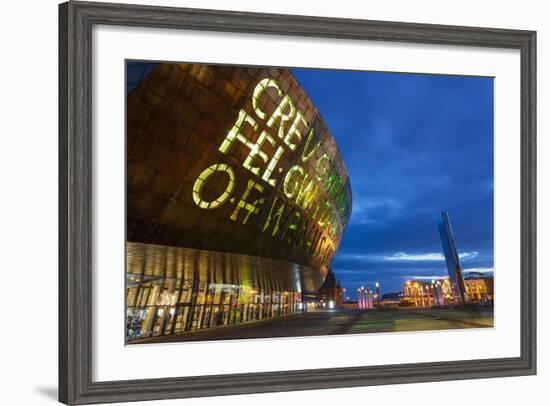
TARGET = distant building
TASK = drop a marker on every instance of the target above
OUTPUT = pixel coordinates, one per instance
(392, 297)
(438, 292)
(457, 285)
(390, 300)
(331, 291)
(420, 293)
(480, 288)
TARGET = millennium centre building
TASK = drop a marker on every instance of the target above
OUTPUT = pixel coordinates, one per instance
(237, 197)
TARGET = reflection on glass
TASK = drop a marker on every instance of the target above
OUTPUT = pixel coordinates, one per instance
(173, 290)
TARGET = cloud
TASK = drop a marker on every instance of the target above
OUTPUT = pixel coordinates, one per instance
(404, 257)
(403, 172)
(432, 256)
(374, 210)
(444, 275)
(426, 277)
(480, 270)
(468, 255)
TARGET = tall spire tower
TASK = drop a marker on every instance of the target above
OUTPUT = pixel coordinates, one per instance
(451, 258)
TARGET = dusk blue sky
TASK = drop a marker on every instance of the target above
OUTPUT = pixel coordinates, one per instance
(414, 145)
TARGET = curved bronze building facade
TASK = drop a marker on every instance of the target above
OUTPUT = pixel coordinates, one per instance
(237, 198)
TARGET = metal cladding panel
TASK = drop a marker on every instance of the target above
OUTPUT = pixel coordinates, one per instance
(236, 160)
(151, 262)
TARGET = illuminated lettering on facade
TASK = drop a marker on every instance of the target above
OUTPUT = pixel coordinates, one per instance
(311, 207)
(201, 180)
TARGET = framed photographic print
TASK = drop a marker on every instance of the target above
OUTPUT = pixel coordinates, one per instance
(261, 202)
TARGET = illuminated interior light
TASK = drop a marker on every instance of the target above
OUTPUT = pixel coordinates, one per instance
(294, 132)
(320, 175)
(258, 91)
(274, 215)
(201, 180)
(235, 132)
(279, 114)
(324, 217)
(256, 150)
(287, 181)
(307, 193)
(317, 206)
(272, 165)
(306, 156)
(291, 228)
(249, 207)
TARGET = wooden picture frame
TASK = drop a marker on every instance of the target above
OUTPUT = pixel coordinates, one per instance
(76, 20)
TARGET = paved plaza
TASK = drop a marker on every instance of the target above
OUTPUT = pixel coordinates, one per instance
(341, 321)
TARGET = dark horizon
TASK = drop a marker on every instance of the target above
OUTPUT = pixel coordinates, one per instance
(414, 145)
